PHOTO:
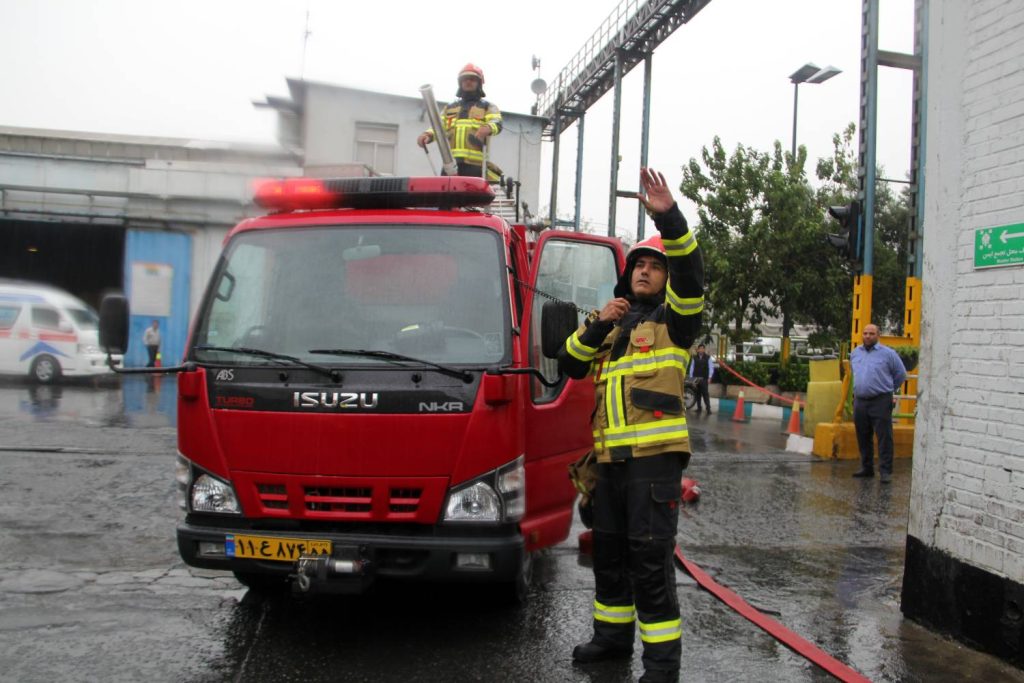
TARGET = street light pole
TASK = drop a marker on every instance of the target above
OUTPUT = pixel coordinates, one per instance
(808, 73)
(796, 93)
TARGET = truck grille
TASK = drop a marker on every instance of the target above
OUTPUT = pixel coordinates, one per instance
(338, 500)
(273, 496)
(341, 499)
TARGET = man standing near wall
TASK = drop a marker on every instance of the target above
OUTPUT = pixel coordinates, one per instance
(151, 340)
(877, 372)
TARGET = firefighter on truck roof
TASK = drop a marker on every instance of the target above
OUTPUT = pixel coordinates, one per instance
(636, 348)
(468, 122)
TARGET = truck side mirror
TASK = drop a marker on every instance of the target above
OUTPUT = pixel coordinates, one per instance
(114, 323)
(558, 319)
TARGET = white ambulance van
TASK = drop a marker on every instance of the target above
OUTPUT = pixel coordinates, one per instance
(46, 333)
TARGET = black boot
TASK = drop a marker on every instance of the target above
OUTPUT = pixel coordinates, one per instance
(659, 676)
(595, 652)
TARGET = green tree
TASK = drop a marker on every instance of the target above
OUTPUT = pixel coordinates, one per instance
(727, 191)
(807, 280)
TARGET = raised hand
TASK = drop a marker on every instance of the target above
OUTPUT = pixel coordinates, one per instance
(658, 197)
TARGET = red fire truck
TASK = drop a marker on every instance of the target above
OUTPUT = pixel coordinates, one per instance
(365, 391)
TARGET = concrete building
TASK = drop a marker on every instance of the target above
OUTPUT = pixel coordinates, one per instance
(326, 124)
(965, 545)
(92, 212)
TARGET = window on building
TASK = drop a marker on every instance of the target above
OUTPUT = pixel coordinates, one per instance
(375, 146)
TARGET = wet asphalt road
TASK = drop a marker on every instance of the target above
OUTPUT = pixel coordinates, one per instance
(92, 589)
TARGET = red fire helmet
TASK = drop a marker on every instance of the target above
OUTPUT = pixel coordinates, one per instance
(472, 70)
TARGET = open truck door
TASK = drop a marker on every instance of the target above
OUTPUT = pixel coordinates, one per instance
(582, 270)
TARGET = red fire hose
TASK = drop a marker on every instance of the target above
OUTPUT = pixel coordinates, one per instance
(746, 381)
(803, 647)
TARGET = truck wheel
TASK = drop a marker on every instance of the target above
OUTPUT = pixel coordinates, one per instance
(517, 591)
(45, 369)
(267, 584)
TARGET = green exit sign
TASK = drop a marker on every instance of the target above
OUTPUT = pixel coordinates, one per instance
(1003, 246)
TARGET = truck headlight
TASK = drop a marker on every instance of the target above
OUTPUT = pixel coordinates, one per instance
(512, 487)
(89, 349)
(474, 503)
(497, 496)
(210, 494)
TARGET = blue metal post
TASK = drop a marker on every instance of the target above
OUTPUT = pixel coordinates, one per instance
(579, 171)
(869, 135)
(616, 111)
(645, 131)
(556, 133)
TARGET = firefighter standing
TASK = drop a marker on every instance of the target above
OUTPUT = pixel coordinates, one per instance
(636, 347)
(468, 122)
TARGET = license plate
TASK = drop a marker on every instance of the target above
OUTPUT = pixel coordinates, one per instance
(273, 548)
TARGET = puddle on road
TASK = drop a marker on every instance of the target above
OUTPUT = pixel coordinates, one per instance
(119, 402)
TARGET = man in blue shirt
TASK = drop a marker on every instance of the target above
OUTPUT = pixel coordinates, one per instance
(877, 372)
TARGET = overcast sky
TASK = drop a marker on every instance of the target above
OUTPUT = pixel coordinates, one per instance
(192, 69)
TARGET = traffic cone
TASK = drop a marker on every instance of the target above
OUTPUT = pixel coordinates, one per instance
(739, 415)
(794, 419)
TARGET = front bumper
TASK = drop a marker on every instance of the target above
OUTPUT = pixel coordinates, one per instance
(428, 558)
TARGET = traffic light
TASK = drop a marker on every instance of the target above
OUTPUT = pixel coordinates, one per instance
(848, 241)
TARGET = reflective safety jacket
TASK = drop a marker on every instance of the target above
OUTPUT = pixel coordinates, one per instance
(639, 364)
(461, 119)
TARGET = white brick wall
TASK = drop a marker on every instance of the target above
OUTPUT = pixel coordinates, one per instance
(968, 484)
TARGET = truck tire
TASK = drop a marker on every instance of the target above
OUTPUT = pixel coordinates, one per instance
(266, 584)
(516, 592)
(45, 369)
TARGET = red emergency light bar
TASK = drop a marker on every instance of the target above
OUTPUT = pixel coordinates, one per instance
(439, 192)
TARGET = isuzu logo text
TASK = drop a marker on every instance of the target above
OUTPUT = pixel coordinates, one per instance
(334, 399)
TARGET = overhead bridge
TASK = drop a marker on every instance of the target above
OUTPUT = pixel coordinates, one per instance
(630, 32)
(626, 37)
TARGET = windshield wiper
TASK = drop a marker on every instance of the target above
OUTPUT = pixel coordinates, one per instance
(464, 375)
(273, 355)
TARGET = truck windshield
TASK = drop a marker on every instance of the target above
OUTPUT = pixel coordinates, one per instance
(435, 293)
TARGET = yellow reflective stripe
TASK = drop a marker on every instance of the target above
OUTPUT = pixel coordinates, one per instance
(672, 357)
(646, 358)
(682, 246)
(614, 407)
(614, 614)
(662, 631)
(682, 305)
(654, 365)
(650, 426)
(578, 349)
(639, 436)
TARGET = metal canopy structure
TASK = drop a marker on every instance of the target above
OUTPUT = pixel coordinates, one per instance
(625, 38)
(630, 29)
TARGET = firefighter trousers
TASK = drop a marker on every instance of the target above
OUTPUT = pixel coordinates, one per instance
(636, 515)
